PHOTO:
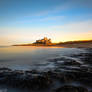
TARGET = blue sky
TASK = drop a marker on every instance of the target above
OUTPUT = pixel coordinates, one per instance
(24, 21)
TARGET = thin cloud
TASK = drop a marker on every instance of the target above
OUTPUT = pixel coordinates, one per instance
(75, 27)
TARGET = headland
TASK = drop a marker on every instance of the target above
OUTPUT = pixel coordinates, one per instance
(45, 42)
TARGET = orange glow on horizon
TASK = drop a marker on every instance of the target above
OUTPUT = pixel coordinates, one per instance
(58, 37)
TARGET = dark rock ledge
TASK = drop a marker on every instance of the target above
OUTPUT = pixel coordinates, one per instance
(35, 80)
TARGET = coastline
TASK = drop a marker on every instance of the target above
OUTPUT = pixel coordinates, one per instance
(40, 46)
(70, 44)
(75, 45)
(69, 74)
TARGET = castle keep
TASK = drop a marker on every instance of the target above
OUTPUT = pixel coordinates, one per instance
(44, 41)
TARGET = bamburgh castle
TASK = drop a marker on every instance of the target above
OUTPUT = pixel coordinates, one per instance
(44, 41)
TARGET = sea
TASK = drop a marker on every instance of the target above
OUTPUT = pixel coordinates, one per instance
(29, 57)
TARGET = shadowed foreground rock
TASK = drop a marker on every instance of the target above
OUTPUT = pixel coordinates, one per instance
(23, 79)
(35, 80)
(69, 88)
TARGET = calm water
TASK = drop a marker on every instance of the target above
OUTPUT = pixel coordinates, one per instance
(29, 57)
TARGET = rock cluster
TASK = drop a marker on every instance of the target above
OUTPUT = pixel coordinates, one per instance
(24, 79)
(69, 88)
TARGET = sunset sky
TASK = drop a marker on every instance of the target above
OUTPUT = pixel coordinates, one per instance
(24, 21)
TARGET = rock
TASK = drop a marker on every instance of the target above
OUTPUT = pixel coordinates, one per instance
(5, 69)
(70, 88)
(68, 77)
(67, 88)
(18, 79)
(65, 61)
(84, 68)
(86, 81)
(72, 62)
(65, 77)
(82, 89)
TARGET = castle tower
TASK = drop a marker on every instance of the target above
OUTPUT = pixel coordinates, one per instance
(45, 38)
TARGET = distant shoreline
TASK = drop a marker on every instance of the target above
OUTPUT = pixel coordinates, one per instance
(63, 45)
(86, 45)
(71, 44)
(41, 46)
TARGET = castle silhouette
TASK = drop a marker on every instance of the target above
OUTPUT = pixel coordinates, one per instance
(45, 41)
